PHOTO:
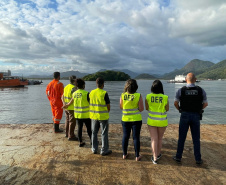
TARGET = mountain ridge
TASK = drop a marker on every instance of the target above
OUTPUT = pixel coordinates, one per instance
(202, 69)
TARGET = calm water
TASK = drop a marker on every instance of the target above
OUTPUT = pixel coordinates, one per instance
(30, 105)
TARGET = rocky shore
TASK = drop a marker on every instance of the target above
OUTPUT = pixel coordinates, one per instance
(33, 154)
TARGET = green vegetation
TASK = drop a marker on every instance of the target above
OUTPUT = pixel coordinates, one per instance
(195, 66)
(145, 76)
(217, 71)
(107, 76)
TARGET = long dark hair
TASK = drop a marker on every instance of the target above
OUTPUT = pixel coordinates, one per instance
(157, 87)
(131, 86)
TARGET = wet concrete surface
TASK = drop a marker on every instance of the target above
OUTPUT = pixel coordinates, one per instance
(34, 154)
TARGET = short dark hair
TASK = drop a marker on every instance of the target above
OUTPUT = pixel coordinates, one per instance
(80, 82)
(131, 86)
(72, 79)
(157, 87)
(99, 81)
(56, 74)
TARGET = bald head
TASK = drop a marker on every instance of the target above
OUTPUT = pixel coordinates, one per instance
(190, 78)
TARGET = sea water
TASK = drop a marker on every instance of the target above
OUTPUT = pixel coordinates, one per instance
(30, 105)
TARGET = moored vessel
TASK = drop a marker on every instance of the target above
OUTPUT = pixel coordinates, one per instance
(6, 80)
(179, 79)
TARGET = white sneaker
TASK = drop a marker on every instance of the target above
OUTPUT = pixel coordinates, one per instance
(154, 162)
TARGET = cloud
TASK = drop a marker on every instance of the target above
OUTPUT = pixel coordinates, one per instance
(148, 36)
(201, 22)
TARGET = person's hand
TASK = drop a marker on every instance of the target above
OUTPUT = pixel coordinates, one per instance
(65, 106)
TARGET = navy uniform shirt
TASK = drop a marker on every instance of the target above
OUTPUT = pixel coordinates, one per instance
(178, 94)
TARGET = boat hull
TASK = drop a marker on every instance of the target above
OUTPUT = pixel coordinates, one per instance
(11, 83)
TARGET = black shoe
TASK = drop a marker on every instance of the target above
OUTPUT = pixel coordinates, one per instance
(154, 161)
(159, 156)
(94, 152)
(66, 136)
(199, 162)
(106, 153)
(73, 139)
(81, 144)
(176, 159)
(57, 129)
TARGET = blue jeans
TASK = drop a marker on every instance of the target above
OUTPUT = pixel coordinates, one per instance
(127, 127)
(191, 119)
(96, 124)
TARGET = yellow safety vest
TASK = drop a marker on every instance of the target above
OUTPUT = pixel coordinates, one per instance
(68, 95)
(98, 107)
(157, 116)
(81, 104)
(130, 110)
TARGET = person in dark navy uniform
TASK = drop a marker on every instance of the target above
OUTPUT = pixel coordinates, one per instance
(190, 101)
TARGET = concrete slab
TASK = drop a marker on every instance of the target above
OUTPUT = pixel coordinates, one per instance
(33, 154)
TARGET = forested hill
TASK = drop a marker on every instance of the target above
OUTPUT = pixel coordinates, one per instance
(217, 71)
(107, 76)
(196, 66)
(145, 76)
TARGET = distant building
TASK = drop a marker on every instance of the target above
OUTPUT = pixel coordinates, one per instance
(8, 73)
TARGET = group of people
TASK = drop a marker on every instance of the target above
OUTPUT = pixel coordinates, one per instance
(92, 109)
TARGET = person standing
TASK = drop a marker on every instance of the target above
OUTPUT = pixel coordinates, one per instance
(54, 92)
(81, 109)
(157, 104)
(190, 100)
(131, 104)
(70, 121)
(99, 115)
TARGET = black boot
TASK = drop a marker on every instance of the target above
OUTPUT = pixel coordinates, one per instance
(56, 128)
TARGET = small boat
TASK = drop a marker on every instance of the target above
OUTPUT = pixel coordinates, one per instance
(34, 82)
(6, 80)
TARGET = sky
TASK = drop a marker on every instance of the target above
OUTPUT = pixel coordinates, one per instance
(144, 36)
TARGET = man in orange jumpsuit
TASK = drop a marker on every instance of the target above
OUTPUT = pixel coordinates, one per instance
(54, 92)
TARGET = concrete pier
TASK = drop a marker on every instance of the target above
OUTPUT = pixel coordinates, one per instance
(34, 154)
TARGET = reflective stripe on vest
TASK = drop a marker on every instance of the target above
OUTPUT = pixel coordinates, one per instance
(81, 107)
(98, 107)
(157, 115)
(81, 104)
(80, 111)
(68, 95)
(130, 111)
(154, 118)
(98, 111)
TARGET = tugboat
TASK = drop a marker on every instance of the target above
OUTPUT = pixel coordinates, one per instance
(6, 80)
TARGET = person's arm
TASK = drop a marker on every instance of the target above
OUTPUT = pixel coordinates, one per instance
(62, 99)
(177, 99)
(205, 102)
(68, 104)
(140, 104)
(121, 103)
(47, 91)
(176, 104)
(107, 100)
(167, 106)
(146, 105)
(204, 105)
(88, 99)
(109, 107)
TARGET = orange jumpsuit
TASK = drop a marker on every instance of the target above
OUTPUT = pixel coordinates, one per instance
(54, 91)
